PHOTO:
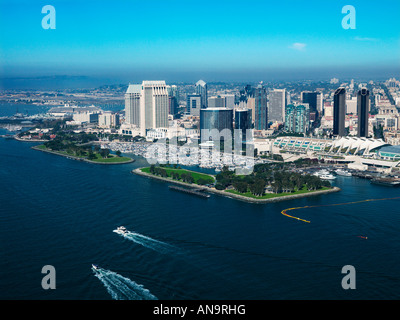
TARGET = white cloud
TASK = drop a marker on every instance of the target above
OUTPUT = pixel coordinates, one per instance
(298, 46)
(365, 39)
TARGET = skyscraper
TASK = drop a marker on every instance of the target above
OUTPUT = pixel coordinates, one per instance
(132, 104)
(215, 118)
(243, 123)
(173, 96)
(314, 100)
(216, 102)
(339, 112)
(201, 89)
(153, 106)
(276, 105)
(297, 118)
(193, 104)
(261, 109)
(363, 112)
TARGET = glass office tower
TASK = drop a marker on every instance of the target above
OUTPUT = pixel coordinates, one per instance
(363, 112)
(339, 112)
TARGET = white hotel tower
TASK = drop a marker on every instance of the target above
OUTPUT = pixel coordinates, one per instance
(146, 105)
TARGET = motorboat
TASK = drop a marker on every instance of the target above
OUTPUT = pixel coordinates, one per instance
(121, 230)
(95, 267)
(341, 172)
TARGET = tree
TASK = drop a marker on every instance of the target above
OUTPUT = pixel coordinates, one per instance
(91, 155)
(104, 153)
(118, 153)
(257, 188)
(219, 186)
(240, 186)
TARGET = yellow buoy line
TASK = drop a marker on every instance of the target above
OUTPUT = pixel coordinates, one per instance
(330, 205)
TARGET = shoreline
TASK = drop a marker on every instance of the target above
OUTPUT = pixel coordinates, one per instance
(237, 196)
(82, 159)
(28, 140)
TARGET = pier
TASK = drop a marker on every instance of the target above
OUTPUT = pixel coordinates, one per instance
(196, 192)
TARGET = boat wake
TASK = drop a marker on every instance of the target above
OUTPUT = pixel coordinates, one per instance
(149, 243)
(121, 288)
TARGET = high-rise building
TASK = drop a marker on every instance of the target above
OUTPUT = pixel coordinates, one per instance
(261, 108)
(108, 119)
(243, 123)
(172, 106)
(153, 106)
(229, 100)
(193, 104)
(351, 105)
(276, 105)
(363, 112)
(297, 118)
(216, 102)
(132, 104)
(314, 100)
(201, 89)
(339, 112)
(146, 105)
(214, 121)
(173, 96)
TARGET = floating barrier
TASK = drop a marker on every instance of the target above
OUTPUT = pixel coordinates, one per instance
(331, 205)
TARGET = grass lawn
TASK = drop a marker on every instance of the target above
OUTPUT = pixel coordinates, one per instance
(111, 158)
(275, 195)
(196, 175)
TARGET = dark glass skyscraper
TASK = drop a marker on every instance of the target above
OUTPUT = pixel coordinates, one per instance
(339, 112)
(363, 112)
(312, 99)
(215, 118)
(261, 108)
(243, 122)
(201, 89)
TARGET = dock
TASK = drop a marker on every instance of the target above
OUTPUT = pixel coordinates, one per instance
(196, 192)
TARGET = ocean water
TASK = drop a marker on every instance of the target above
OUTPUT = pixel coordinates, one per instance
(9, 109)
(60, 212)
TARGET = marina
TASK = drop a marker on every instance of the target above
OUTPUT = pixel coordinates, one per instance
(185, 155)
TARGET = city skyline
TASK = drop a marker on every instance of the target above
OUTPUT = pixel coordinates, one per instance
(218, 41)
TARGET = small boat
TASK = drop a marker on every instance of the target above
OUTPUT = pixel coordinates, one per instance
(121, 230)
(95, 267)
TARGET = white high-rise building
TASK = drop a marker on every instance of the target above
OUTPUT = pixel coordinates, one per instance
(132, 104)
(276, 105)
(146, 105)
(153, 106)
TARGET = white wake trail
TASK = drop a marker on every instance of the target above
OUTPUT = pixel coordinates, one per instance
(150, 243)
(121, 288)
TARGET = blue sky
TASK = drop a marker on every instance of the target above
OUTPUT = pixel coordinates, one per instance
(217, 38)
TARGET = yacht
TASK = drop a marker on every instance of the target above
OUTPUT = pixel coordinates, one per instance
(327, 176)
(121, 230)
(341, 172)
(322, 173)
